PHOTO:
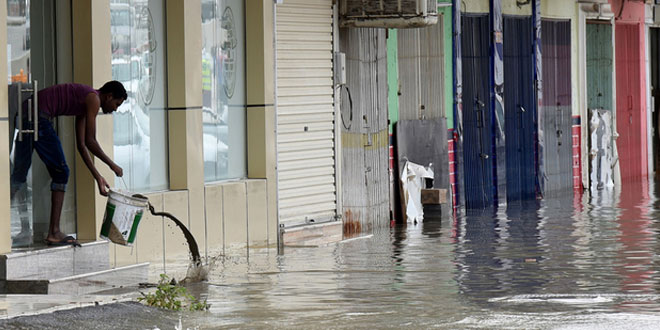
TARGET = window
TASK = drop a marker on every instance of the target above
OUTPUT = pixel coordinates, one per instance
(140, 124)
(223, 89)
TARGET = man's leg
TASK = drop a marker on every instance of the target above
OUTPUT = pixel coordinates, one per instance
(56, 201)
(50, 151)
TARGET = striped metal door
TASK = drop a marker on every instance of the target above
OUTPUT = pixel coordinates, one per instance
(630, 120)
(556, 107)
(305, 112)
(421, 72)
(519, 108)
(477, 112)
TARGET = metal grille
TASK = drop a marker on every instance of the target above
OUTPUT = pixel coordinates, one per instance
(421, 72)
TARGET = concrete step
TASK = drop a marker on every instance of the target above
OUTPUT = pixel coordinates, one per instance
(313, 234)
(80, 284)
(55, 262)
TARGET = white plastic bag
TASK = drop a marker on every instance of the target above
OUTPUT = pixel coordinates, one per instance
(412, 178)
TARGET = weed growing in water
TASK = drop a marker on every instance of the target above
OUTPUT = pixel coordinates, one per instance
(170, 295)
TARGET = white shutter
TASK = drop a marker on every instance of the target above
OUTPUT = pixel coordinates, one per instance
(305, 112)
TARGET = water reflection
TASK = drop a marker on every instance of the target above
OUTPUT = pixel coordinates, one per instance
(637, 239)
(565, 261)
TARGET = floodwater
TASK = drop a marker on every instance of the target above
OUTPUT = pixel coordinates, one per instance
(560, 263)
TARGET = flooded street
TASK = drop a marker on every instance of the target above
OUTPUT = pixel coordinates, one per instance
(559, 263)
(562, 262)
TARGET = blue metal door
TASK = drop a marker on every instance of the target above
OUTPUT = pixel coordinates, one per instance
(519, 108)
(477, 112)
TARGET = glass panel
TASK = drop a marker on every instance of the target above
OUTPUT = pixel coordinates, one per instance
(223, 83)
(140, 124)
(31, 56)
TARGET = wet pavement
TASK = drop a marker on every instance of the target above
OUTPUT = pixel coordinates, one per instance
(564, 262)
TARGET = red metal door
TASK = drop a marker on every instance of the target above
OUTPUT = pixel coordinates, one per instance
(630, 117)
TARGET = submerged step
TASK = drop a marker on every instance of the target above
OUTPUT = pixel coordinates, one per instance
(120, 277)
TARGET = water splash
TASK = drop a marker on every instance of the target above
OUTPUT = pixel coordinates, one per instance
(196, 273)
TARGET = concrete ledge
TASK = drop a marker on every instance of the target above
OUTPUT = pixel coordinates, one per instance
(29, 305)
(83, 283)
(313, 235)
(55, 262)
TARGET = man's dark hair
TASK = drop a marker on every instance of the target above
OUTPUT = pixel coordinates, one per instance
(115, 88)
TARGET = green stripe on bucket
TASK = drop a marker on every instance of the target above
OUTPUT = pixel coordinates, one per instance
(107, 219)
(136, 222)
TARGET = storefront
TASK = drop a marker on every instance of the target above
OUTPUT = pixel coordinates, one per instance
(196, 134)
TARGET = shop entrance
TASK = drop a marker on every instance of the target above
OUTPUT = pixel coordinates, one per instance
(33, 47)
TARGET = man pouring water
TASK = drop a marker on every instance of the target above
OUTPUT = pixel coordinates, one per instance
(77, 100)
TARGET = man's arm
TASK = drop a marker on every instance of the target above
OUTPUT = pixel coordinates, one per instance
(86, 140)
(93, 104)
(82, 149)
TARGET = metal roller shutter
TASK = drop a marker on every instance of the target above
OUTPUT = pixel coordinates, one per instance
(305, 112)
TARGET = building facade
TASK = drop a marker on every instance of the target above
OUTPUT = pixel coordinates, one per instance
(196, 134)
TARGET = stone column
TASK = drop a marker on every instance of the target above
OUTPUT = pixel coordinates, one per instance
(92, 58)
(260, 63)
(184, 89)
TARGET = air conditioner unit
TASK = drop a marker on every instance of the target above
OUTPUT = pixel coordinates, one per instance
(388, 13)
(596, 9)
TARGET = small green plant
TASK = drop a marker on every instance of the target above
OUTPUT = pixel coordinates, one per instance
(170, 295)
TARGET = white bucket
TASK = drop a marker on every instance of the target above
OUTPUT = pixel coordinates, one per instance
(122, 217)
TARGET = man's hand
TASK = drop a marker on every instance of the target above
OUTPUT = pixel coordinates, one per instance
(103, 186)
(117, 169)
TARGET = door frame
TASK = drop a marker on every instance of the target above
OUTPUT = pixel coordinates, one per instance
(586, 15)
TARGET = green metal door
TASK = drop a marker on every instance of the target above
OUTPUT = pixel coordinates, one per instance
(599, 66)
